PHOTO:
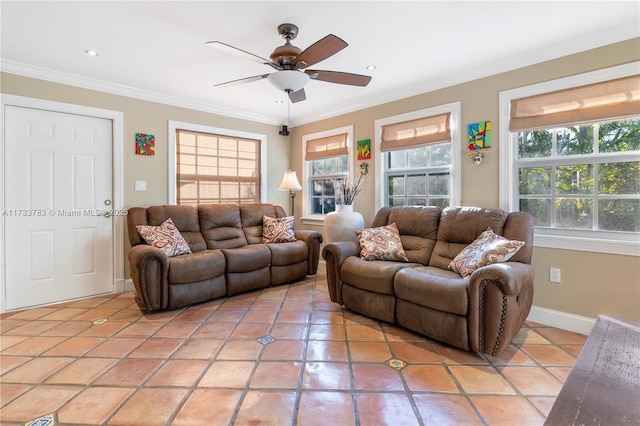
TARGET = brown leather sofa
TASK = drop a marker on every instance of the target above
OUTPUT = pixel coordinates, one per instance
(228, 255)
(481, 313)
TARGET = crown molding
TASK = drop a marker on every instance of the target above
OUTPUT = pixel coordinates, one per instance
(75, 80)
(592, 41)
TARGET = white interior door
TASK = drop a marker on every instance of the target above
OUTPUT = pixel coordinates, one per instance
(58, 191)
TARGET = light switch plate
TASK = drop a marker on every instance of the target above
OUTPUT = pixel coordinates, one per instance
(141, 185)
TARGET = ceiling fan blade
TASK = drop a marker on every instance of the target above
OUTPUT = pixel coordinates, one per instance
(319, 51)
(297, 96)
(237, 51)
(339, 77)
(242, 80)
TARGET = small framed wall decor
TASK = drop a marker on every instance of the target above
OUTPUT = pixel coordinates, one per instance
(364, 149)
(479, 135)
(145, 144)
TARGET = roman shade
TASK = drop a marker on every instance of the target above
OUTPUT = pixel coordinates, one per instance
(212, 168)
(330, 146)
(613, 99)
(422, 131)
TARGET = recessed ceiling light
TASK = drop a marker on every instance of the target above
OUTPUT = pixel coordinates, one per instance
(91, 52)
(279, 101)
(371, 67)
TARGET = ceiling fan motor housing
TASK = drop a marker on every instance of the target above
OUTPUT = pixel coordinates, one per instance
(284, 55)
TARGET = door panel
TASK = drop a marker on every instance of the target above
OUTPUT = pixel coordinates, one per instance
(58, 173)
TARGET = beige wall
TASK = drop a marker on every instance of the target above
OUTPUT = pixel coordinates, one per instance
(592, 283)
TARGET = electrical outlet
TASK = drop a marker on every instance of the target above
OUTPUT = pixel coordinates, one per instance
(554, 275)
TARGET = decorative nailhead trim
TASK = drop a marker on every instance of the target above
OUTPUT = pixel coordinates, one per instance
(503, 320)
(503, 316)
(143, 283)
(483, 286)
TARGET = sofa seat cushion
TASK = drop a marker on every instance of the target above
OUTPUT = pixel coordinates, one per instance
(194, 267)
(283, 254)
(248, 258)
(433, 288)
(372, 275)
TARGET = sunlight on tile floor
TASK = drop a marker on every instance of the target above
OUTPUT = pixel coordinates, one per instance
(284, 355)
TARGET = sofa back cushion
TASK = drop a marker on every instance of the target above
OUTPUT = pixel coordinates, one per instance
(136, 216)
(251, 219)
(459, 227)
(520, 226)
(418, 227)
(220, 225)
(185, 219)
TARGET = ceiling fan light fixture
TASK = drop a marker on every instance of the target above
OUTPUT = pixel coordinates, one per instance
(288, 80)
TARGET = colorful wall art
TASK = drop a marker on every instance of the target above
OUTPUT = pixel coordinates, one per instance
(479, 135)
(364, 149)
(145, 144)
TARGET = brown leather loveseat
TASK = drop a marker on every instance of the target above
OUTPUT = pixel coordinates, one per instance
(481, 312)
(227, 253)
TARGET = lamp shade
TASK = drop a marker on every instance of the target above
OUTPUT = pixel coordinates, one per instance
(290, 181)
(288, 80)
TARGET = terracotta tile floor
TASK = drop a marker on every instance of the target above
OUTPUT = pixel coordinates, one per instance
(104, 360)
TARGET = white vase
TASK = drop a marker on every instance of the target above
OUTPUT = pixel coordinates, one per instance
(341, 224)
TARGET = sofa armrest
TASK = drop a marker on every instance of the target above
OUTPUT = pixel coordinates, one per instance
(149, 267)
(334, 254)
(500, 298)
(313, 239)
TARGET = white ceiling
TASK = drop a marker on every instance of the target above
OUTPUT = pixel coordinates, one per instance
(155, 49)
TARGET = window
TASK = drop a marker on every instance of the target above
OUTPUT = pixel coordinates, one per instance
(213, 166)
(582, 177)
(326, 163)
(573, 160)
(416, 154)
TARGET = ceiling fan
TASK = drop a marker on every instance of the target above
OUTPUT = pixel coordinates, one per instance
(290, 63)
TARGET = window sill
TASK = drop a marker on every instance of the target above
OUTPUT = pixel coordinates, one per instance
(316, 219)
(597, 245)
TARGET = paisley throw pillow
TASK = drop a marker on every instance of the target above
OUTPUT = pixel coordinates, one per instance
(488, 248)
(165, 237)
(382, 243)
(276, 230)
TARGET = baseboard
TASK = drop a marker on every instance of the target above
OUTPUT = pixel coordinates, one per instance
(563, 320)
(124, 285)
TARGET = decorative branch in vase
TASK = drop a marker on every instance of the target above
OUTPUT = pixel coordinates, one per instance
(350, 189)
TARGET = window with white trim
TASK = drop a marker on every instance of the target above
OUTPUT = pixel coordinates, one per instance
(573, 160)
(210, 165)
(417, 153)
(325, 165)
